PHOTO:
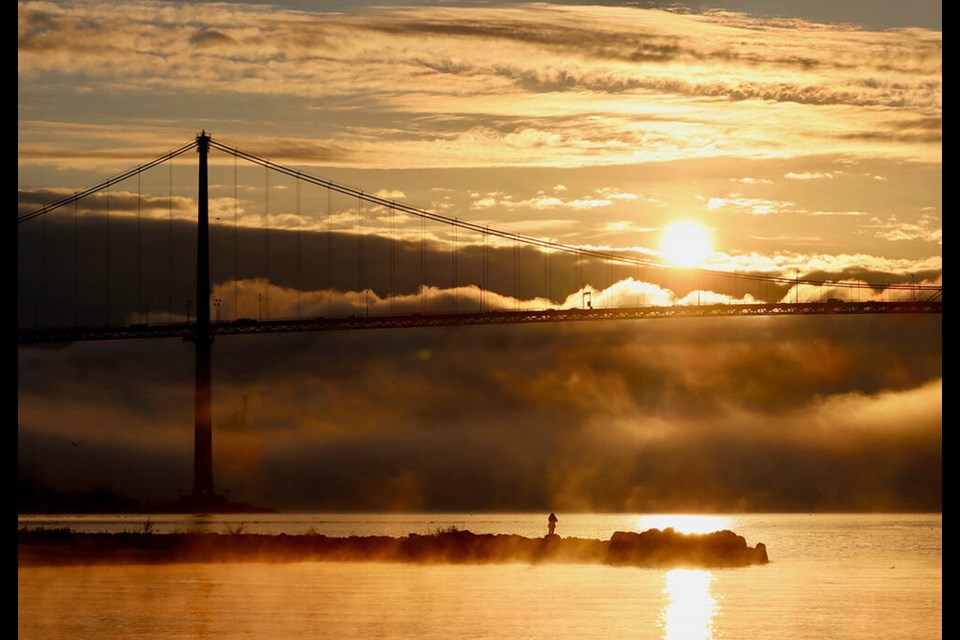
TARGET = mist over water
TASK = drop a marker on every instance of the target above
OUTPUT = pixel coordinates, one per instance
(850, 576)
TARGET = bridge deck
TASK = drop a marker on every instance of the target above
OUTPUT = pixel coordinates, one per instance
(247, 326)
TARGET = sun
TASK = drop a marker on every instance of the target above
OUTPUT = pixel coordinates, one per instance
(686, 244)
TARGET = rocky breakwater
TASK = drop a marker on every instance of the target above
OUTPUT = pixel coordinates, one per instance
(653, 548)
(667, 547)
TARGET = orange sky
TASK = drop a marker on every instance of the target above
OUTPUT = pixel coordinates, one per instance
(794, 141)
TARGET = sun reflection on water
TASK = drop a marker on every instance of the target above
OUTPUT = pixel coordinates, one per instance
(684, 523)
(690, 607)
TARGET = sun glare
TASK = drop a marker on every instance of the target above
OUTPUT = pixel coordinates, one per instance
(690, 605)
(686, 244)
(684, 523)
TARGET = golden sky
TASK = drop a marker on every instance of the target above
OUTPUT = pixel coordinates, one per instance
(794, 141)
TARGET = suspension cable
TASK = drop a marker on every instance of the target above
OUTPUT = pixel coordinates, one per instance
(580, 252)
(53, 206)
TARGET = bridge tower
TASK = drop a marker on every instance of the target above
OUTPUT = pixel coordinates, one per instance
(203, 491)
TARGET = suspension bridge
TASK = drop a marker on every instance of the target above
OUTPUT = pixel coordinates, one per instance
(115, 262)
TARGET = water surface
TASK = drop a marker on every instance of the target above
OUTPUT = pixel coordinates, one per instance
(831, 576)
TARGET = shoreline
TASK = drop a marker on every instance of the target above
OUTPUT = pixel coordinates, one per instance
(652, 548)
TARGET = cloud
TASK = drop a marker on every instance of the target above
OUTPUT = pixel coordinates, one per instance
(855, 214)
(927, 229)
(537, 85)
(796, 240)
(598, 198)
(769, 414)
(811, 175)
(390, 194)
(628, 225)
(788, 263)
(615, 194)
(497, 200)
(738, 203)
(211, 39)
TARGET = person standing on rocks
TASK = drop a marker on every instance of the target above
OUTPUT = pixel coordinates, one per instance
(551, 523)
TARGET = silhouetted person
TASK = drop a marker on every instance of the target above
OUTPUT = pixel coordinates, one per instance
(551, 523)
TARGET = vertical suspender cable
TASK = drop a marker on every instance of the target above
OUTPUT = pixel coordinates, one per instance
(423, 282)
(453, 256)
(107, 256)
(236, 286)
(546, 275)
(329, 253)
(483, 269)
(76, 262)
(576, 275)
(298, 245)
(170, 236)
(638, 285)
(579, 262)
(42, 316)
(139, 253)
(516, 273)
(393, 259)
(609, 274)
(360, 289)
(266, 236)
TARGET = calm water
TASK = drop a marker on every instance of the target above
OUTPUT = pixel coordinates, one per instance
(831, 576)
